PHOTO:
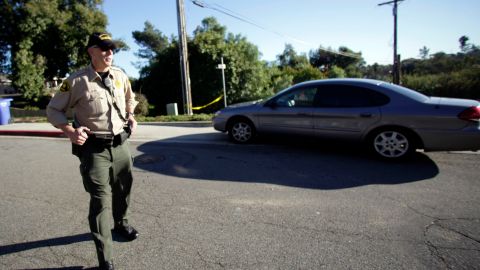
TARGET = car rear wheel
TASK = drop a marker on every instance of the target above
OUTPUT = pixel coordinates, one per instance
(241, 131)
(392, 144)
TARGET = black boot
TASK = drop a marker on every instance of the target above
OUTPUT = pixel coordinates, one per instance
(106, 266)
(127, 231)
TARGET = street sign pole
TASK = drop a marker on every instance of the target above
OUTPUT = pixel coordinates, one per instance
(222, 66)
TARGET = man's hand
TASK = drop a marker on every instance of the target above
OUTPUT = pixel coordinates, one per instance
(76, 136)
(132, 123)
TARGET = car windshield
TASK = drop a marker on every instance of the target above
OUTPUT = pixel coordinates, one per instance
(406, 91)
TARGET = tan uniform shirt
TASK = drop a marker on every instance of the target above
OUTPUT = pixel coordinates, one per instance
(92, 103)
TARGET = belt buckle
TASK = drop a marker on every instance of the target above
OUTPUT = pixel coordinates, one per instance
(107, 143)
(104, 136)
(105, 140)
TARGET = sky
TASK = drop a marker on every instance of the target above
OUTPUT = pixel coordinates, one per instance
(361, 25)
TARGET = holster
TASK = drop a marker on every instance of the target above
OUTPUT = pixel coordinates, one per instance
(124, 136)
(114, 141)
(127, 130)
(77, 150)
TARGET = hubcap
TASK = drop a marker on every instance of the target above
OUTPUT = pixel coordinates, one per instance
(391, 144)
(241, 132)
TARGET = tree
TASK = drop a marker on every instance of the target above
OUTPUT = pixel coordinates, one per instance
(30, 79)
(246, 76)
(36, 46)
(9, 14)
(290, 58)
(424, 52)
(325, 59)
(336, 72)
(151, 41)
(160, 80)
(464, 46)
(452, 75)
(378, 72)
(279, 79)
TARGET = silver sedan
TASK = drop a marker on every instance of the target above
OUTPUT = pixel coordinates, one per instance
(392, 120)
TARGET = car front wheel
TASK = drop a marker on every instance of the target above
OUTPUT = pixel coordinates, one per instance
(392, 144)
(241, 131)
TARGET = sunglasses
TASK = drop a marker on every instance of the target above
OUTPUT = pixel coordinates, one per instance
(104, 49)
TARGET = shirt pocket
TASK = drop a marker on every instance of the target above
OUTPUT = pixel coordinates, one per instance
(97, 103)
(120, 99)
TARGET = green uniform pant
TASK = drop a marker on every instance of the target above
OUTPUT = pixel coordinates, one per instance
(107, 176)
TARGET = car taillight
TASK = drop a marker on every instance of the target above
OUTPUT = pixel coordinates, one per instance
(470, 114)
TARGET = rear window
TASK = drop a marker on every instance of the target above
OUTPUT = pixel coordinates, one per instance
(406, 91)
(349, 96)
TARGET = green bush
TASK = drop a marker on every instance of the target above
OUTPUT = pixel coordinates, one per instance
(174, 118)
(426, 84)
(459, 84)
(336, 72)
(142, 106)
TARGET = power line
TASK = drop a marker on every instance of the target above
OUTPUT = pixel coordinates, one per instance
(242, 18)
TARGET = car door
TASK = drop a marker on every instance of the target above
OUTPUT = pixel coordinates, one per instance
(346, 111)
(289, 113)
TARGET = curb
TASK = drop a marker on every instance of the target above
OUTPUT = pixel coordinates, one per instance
(59, 134)
(36, 133)
(179, 124)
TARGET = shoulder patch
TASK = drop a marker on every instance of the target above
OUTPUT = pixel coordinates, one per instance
(65, 86)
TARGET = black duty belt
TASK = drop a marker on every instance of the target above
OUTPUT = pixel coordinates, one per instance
(108, 140)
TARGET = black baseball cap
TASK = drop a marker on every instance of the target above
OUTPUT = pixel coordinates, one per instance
(102, 40)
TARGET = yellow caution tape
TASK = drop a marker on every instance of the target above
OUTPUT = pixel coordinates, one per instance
(204, 106)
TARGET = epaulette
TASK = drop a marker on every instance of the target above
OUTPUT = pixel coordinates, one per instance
(67, 83)
(118, 69)
(79, 72)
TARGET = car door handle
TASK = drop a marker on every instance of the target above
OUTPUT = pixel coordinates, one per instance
(302, 114)
(366, 115)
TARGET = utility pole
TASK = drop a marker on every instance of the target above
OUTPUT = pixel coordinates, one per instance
(222, 66)
(396, 57)
(182, 45)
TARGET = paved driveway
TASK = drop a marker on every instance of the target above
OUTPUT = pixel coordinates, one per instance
(264, 206)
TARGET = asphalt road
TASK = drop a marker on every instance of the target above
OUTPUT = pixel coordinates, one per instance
(204, 205)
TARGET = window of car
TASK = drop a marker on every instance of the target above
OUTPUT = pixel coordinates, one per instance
(348, 96)
(300, 97)
(406, 91)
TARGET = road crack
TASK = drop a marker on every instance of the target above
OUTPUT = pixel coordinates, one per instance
(438, 226)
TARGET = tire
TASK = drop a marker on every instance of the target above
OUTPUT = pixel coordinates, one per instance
(392, 144)
(241, 131)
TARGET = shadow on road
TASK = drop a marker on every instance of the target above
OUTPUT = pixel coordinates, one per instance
(59, 241)
(303, 163)
(61, 268)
